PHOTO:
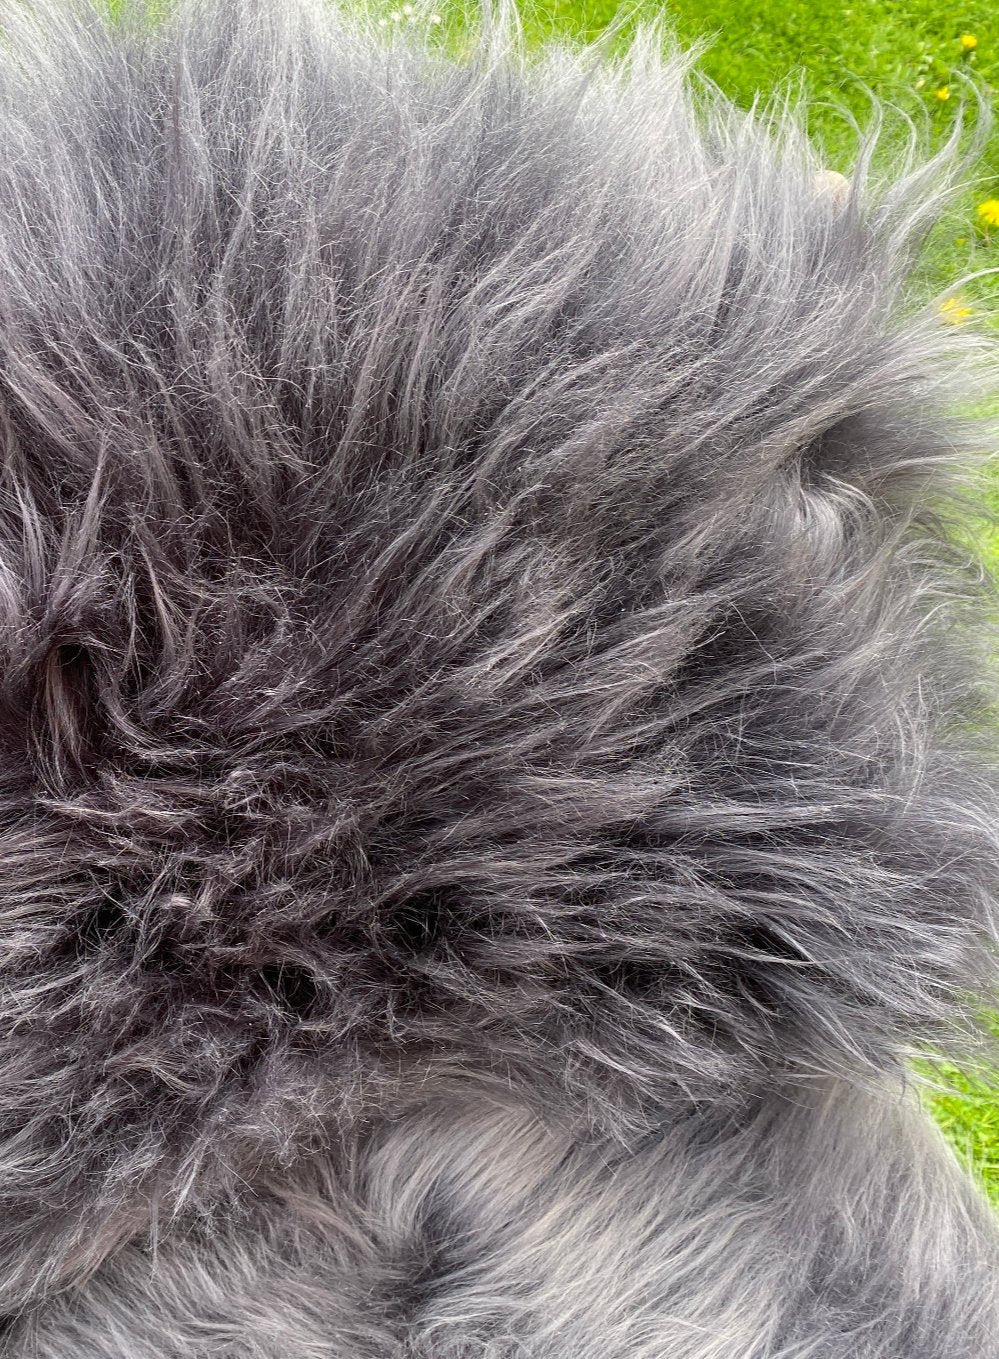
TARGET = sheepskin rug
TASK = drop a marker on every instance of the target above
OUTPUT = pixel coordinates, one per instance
(497, 705)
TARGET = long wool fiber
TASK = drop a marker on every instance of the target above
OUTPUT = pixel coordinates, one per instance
(498, 772)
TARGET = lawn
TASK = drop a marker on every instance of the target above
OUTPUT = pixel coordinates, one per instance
(914, 54)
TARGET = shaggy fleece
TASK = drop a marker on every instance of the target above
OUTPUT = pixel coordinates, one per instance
(496, 779)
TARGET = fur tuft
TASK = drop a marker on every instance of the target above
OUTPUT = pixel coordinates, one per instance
(496, 771)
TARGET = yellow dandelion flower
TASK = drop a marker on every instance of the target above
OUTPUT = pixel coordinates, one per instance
(953, 311)
(989, 212)
(969, 42)
(943, 92)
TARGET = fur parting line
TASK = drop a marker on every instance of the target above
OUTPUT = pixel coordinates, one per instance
(497, 705)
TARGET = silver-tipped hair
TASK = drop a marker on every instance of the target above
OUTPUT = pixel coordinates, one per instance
(496, 706)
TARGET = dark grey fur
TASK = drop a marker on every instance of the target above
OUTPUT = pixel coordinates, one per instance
(496, 779)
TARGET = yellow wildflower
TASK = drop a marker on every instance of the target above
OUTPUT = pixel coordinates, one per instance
(989, 212)
(952, 311)
(943, 92)
(969, 42)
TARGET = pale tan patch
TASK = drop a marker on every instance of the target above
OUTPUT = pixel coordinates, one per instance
(831, 184)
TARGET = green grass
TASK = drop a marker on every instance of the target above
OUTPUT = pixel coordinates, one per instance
(969, 1116)
(906, 52)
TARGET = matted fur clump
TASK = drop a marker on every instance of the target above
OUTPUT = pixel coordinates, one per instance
(497, 771)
